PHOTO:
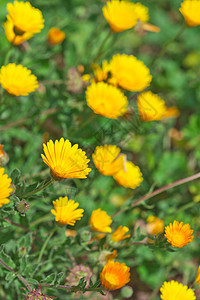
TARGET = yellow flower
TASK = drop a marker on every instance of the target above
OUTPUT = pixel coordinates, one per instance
(65, 160)
(171, 112)
(66, 212)
(130, 73)
(108, 160)
(25, 17)
(130, 177)
(17, 80)
(55, 36)
(177, 291)
(114, 275)
(106, 100)
(100, 221)
(190, 11)
(122, 15)
(178, 235)
(86, 78)
(154, 225)
(12, 37)
(101, 73)
(5, 188)
(197, 279)
(150, 106)
(119, 234)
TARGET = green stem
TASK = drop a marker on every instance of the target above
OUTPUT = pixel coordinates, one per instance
(99, 53)
(44, 245)
(157, 192)
(166, 46)
(22, 279)
(38, 189)
(73, 289)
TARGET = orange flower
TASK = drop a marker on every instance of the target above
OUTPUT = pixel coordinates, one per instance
(55, 36)
(178, 235)
(154, 225)
(114, 275)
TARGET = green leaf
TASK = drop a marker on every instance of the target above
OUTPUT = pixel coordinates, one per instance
(6, 258)
(50, 279)
(15, 175)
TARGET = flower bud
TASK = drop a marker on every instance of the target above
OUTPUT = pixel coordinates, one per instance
(37, 295)
(4, 158)
(55, 36)
(22, 207)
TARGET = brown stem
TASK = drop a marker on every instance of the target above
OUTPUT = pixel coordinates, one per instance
(159, 191)
(22, 279)
(17, 225)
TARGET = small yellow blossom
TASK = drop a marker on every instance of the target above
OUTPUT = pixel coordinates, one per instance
(5, 188)
(115, 275)
(130, 73)
(178, 235)
(66, 212)
(119, 234)
(150, 106)
(100, 221)
(171, 112)
(17, 80)
(86, 78)
(55, 36)
(25, 17)
(190, 11)
(154, 225)
(177, 291)
(122, 15)
(106, 100)
(101, 73)
(65, 160)
(130, 176)
(197, 279)
(108, 160)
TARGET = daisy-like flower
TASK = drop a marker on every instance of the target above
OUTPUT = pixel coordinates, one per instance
(100, 221)
(190, 11)
(17, 80)
(101, 73)
(106, 100)
(122, 15)
(55, 36)
(108, 159)
(65, 160)
(25, 18)
(5, 188)
(119, 234)
(178, 235)
(12, 36)
(150, 106)
(154, 225)
(177, 291)
(66, 212)
(130, 176)
(130, 73)
(115, 275)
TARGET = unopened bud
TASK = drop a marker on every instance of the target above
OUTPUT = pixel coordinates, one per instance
(22, 207)
(4, 158)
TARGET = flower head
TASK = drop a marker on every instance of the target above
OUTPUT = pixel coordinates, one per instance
(5, 188)
(107, 159)
(101, 74)
(4, 158)
(106, 100)
(178, 235)
(65, 160)
(197, 279)
(17, 80)
(25, 17)
(119, 234)
(154, 225)
(37, 295)
(12, 36)
(190, 11)
(100, 221)
(175, 290)
(122, 15)
(55, 36)
(130, 73)
(150, 106)
(130, 176)
(66, 212)
(22, 206)
(114, 275)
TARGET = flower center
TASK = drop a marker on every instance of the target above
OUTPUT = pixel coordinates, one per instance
(112, 278)
(179, 238)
